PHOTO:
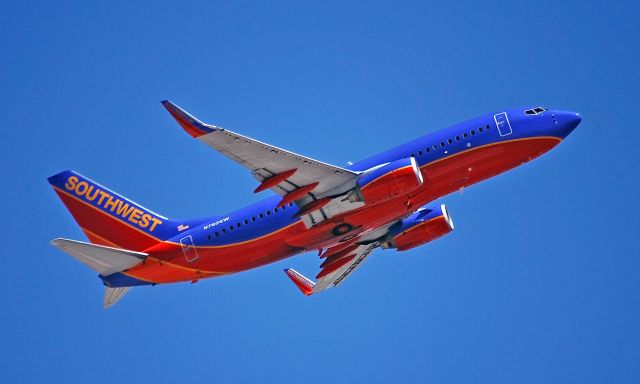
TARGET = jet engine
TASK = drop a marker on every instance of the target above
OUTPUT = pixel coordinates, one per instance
(388, 181)
(423, 226)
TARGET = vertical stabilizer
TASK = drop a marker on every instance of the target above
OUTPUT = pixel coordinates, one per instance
(108, 218)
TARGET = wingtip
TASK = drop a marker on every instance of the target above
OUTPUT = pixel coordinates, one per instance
(190, 124)
(304, 284)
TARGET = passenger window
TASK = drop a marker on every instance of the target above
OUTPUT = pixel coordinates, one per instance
(435, 147)
(427, 149)
(209, 237)
(261, 215)
(216, 234)
(238, 225)
(442, 143)
(246, 221)
(450, 141)
(419, 153)
(480, 129)
(231, 227)
(488, 127)
(473, 132)
(465, 135)
(457, 138)
(253, 218)
(224, 230)
(275, 209)
(268, 213)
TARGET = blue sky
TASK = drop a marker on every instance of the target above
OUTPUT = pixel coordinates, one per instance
(538, 283)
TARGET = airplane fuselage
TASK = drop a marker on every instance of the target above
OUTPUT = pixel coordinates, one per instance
(449, 159)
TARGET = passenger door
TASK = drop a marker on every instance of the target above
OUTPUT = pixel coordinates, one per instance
(502, 122)
(188, 249)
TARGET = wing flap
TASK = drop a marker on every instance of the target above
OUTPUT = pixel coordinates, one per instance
(336, 277)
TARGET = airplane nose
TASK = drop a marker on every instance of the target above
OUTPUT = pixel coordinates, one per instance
(565, 122)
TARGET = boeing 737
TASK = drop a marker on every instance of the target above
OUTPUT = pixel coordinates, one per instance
(344, 213)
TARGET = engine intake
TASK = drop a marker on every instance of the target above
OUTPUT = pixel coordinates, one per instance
(391, 180)
(423, 226)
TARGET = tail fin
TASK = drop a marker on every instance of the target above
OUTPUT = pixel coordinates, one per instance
(110, 219)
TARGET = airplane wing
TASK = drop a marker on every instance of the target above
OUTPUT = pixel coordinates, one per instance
(293, 176)
(339, 263)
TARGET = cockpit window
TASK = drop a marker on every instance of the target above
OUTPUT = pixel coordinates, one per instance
(535, 111)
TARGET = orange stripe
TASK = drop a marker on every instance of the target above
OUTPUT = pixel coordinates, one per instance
(167, 272)
(88, 232)
(154, 258)
(491, 144)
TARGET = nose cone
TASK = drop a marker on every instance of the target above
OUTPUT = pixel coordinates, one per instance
(565, 122)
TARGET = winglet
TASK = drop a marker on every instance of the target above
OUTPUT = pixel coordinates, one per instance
(304, 285)
(190, 124)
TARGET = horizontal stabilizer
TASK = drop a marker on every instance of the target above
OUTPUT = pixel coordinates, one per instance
(102, 259)
(113, 295)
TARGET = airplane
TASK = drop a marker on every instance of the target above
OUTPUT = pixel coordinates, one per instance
(343, 213)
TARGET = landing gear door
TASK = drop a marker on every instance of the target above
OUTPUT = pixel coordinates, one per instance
(502, 122)
(188, 249)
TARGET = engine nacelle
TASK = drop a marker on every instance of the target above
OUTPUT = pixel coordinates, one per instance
(391, 180)
(423, 226)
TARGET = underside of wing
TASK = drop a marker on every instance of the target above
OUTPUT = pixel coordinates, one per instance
(339, 263)
(287, 170)
(338, 266)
